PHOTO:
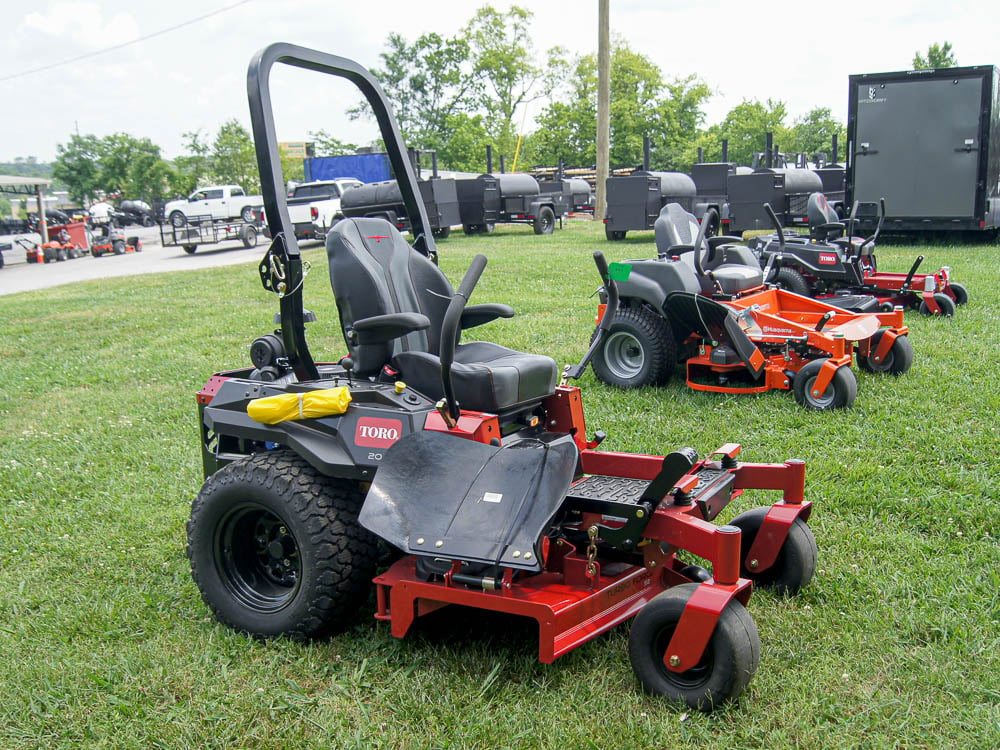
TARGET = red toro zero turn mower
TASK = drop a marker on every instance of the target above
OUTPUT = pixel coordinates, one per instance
(110, 240)
(467, 458)
(703, 301)
(831, 262)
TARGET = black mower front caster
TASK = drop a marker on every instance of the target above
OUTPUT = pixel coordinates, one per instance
(795, 565)
(726, 667)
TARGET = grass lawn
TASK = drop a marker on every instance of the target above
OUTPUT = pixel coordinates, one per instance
(106, 642)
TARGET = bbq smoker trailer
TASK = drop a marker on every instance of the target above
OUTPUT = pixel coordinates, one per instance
(928, 141)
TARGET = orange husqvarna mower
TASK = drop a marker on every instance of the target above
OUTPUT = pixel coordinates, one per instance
(703, 302)
(472, 461)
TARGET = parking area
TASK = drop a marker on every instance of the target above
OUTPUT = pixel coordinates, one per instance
(17, 275)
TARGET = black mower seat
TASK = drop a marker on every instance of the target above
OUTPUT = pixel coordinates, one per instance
(729, 269)
(374, 272)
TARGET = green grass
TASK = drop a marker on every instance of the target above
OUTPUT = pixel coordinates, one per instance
(106, 642)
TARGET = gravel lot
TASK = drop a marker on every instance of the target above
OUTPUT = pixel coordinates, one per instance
(17, 275)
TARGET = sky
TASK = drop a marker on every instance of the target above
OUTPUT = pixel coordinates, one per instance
(160, 69)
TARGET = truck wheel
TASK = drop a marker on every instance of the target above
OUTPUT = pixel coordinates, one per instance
(545, 221)
(795, 565)
(442, 232)
(897, 361)
(246, 215)
(840, 394)
(639, 349)
(248, 233)
(276, 548)
(726, 668)
(178, 219)
(791, 280)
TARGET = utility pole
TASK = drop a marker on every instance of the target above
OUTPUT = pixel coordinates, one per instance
(603, 106)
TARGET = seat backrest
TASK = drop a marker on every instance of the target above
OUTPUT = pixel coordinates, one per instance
(821, 213)
(674, 226)
(374, 271)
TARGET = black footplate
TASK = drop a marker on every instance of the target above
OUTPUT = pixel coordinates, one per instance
(614, 489)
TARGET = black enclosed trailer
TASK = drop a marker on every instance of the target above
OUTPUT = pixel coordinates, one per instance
(928, 141)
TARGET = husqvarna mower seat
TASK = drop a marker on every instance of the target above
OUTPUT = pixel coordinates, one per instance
(391, 301)
(725, 267)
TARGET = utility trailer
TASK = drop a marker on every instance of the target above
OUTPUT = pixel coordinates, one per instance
(928, 142)
(204, 230)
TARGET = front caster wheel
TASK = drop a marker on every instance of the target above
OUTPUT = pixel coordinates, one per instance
(726, 667)
(944, 302)
(897, 360)
(839, 394)
(276, 548)
(795, 565)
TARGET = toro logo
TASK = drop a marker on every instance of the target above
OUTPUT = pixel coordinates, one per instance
(828, 259)
(377, 433)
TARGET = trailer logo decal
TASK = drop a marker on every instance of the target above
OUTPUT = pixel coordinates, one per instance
(871, 92)
(377, 433)
(828, 259)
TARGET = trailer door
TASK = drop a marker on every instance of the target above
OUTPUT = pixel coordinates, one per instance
(917, 145)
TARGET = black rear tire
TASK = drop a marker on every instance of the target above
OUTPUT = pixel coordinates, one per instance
(614, 235)
(792, 280)
(726, 668)
(276, 548)
(118, 247)
(898, 360)
(795, 565)
(639, 349)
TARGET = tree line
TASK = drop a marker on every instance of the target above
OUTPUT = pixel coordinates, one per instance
(457, 94)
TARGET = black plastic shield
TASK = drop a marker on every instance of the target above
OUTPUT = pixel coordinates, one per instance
(493, 508)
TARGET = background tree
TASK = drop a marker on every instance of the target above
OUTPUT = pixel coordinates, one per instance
(504, 69)
(326, 145)
(642, 104)
(746, 126)
(938, 56)
(428, 82)
(813, 133)
(77, 164)
(193, 167)
(233, 157)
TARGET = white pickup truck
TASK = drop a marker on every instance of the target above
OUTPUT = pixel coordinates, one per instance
(215, 202)
(314, 207)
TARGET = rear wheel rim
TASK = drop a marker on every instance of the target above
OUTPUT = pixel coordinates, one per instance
(624, 355)
(257, 557)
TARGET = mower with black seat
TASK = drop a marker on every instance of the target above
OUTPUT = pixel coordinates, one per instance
(831, 263)
(470, 460)
(703, 302)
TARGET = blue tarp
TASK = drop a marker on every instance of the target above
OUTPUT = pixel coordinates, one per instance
(365, 167)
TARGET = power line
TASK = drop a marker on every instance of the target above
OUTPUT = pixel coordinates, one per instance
(161, 32)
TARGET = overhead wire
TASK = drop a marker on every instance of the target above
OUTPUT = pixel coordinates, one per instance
(144, 38)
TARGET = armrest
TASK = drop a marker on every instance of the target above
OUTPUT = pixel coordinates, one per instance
(379, 329)
(477, 315)
(676, 250)
(723, 239)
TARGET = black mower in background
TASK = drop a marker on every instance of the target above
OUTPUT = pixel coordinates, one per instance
(831, 264)
(470, 460)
